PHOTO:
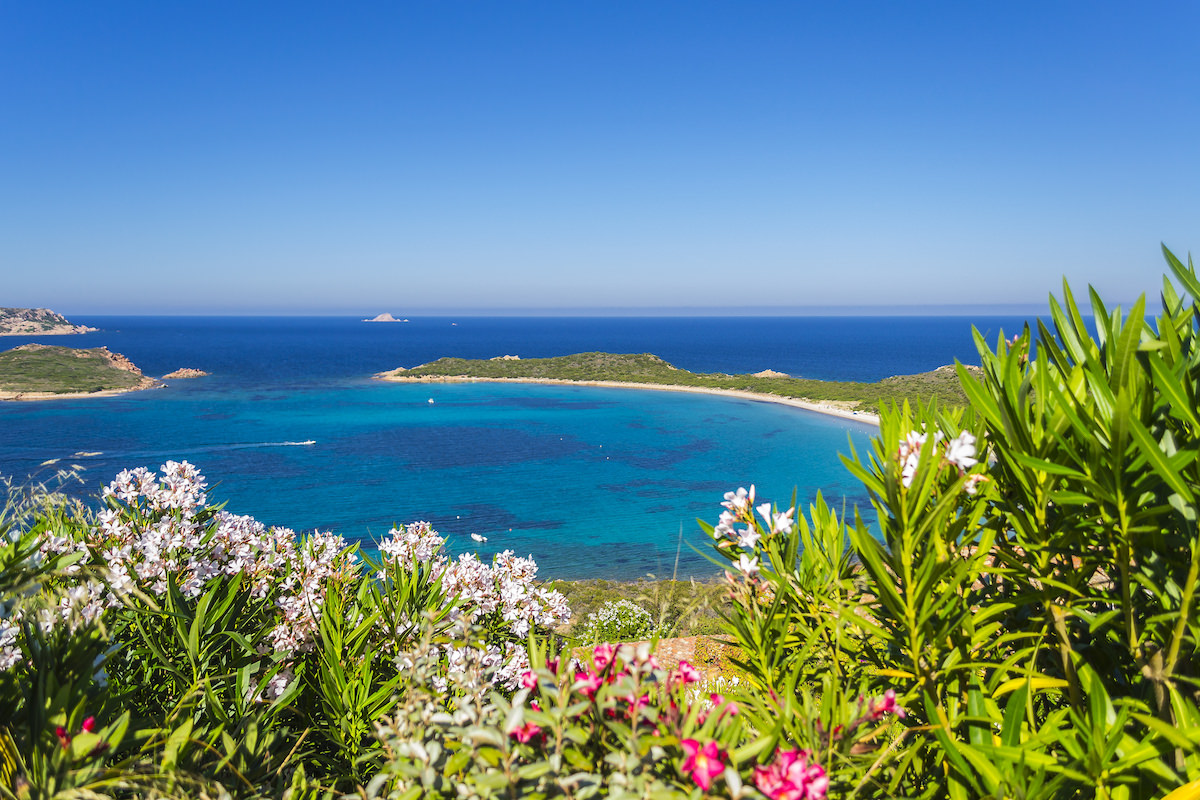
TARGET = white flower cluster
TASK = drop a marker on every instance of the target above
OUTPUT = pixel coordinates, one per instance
(181, 487)
(155, 530)
(79, 606)
(505, 666)
(959, 452)
(618, 621)
(506, 587)
(739, 508)
(10, 651)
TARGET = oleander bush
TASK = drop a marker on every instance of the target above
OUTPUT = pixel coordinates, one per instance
(1031, 594)
(617, 621)
(1023, 623)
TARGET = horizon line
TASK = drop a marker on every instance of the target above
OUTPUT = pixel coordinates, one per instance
(938, 310)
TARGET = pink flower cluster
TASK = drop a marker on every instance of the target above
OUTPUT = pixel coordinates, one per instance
(878, 709)
(624, 684)
(792, 776)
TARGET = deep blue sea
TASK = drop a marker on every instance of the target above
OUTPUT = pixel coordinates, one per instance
(591, 482)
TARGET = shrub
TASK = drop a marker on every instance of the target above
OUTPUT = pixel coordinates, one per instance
(617, 621)
(1031, 594)
(243, 655)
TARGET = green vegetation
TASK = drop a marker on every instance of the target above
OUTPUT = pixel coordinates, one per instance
(66, 370)
(1024, 623)
(940, 385)
(677, 608)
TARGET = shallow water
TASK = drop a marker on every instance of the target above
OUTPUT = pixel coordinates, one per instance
(592, 482)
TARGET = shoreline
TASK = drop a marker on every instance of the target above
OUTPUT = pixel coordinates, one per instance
(29, 397)
(806, 405)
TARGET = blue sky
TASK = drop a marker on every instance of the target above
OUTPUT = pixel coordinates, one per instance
(352, 158)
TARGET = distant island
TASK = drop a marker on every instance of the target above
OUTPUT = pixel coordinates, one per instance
(36, 322)
(44, 372)
(186, 372)
(844, 398)
(384, 317)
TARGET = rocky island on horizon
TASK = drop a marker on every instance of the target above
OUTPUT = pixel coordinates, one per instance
(384, 317)
(37, 322)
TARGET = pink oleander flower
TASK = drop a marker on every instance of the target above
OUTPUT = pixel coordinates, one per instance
(89, 725)
(877, 709)
(791, 777)
(720, 707)
(603, 655)
(527, 733)
(635, 702)
(529, 679)
(726, 707)
(588, 682)
(704, 763)
(687, 673)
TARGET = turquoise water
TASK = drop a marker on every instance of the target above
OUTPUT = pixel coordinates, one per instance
(589, 481)
(592, 482)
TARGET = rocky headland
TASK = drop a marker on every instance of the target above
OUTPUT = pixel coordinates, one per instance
(47, 372)
(185, 372)
(37, 322)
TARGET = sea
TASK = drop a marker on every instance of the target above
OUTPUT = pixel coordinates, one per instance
(292, 429)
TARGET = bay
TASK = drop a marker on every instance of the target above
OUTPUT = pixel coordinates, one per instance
(592, 482)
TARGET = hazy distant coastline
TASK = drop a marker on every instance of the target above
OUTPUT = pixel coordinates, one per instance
(37, 322)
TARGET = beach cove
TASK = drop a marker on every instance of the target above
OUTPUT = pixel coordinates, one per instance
(828, 407)
(593, 481)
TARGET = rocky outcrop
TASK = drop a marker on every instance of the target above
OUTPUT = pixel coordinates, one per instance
(384, 317)
(36, 322)
(186, 372)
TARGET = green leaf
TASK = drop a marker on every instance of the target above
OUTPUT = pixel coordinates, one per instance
(175, 742)
(1148, 447)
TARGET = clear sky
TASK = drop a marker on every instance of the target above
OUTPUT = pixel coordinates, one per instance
(352, 158)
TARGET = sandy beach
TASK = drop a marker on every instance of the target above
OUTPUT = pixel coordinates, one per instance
(822, 408)
(21, 397)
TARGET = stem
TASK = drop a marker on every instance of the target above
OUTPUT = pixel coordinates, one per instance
(1185, 609)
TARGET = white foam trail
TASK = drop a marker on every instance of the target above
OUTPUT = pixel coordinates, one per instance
(213, 448)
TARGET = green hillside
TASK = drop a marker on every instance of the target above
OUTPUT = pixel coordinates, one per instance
(940, 384)
(66, 370)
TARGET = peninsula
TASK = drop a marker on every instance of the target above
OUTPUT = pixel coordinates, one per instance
(45, 372)
(855, 400)
(36, 322)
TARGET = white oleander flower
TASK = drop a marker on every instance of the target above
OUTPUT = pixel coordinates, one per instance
(960, 451)
(747, 566)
